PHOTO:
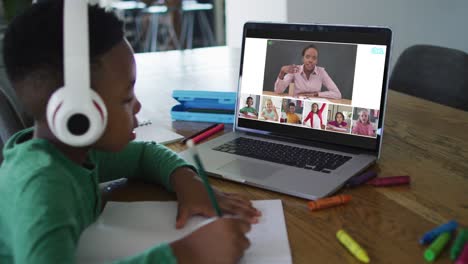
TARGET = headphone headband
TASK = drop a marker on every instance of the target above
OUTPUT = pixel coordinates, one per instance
(76, 46)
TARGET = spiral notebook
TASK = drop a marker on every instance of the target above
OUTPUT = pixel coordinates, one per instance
(147, 131)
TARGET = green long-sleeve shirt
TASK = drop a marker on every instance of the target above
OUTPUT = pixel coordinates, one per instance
(46, 200)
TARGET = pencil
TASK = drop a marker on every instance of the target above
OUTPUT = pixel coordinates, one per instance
(202, 174)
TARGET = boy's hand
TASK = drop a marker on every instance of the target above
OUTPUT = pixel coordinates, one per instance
(194, 200)
(221, 241)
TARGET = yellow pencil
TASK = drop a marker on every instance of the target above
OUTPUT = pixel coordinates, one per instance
(352, 246)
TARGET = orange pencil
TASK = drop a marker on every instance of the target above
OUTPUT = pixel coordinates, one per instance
(329, 202)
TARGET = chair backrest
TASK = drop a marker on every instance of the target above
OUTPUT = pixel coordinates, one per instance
(434, 73)
(10, 121)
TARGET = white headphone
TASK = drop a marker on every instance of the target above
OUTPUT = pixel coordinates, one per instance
(76, 114)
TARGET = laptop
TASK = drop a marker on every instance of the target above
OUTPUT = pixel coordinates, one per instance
(310, 108)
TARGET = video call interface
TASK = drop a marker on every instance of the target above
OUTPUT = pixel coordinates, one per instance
(334, 87)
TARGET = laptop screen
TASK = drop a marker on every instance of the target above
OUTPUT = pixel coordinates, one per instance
(314, 82)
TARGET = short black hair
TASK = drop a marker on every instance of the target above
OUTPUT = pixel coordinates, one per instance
(34, 39)
(292, 104)
(310, 46)
(33, 49)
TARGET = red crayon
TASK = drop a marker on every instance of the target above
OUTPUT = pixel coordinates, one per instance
(463, 258)
(208, 133)
(198, 133)
(390, 181)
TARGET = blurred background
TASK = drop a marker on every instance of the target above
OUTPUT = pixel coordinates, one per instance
(429, 35)
(159, 25)
(156, 25)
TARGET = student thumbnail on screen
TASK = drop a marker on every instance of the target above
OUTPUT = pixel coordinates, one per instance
(271, 108)
(339, 118)
(291, 111)
(250, 103)
(315, 114)
(365, 121)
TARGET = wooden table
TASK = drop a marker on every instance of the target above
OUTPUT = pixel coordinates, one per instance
(422, 139)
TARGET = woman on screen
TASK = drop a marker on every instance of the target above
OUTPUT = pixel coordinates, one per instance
(308, 78)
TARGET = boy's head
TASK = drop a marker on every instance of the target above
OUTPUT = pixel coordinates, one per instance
(33, 55)
(292, 107)
(249, 101)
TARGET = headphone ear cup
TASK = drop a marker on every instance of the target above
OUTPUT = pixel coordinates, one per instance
(53, 106)
(76, 122)
(101, 109)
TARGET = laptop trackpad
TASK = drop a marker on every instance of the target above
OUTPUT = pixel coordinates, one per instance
(249, 169)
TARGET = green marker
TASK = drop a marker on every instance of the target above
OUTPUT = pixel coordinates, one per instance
(457, 247)
(436, 247)
(204, 178)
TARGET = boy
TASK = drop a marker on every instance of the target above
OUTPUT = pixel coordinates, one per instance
(292, 117)
(49, 191)
(249, 111)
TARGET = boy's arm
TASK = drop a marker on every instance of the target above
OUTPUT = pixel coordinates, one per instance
(160, 254)
(46, 228)
(143, 160)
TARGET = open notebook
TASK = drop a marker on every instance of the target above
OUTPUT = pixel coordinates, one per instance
(126, 229)
(147, 131)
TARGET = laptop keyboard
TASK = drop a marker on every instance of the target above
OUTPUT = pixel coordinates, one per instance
(284, 154)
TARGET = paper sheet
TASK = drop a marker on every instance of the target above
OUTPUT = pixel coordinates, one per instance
(126, 229)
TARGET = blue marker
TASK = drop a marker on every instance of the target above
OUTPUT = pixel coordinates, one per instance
(431, 235)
